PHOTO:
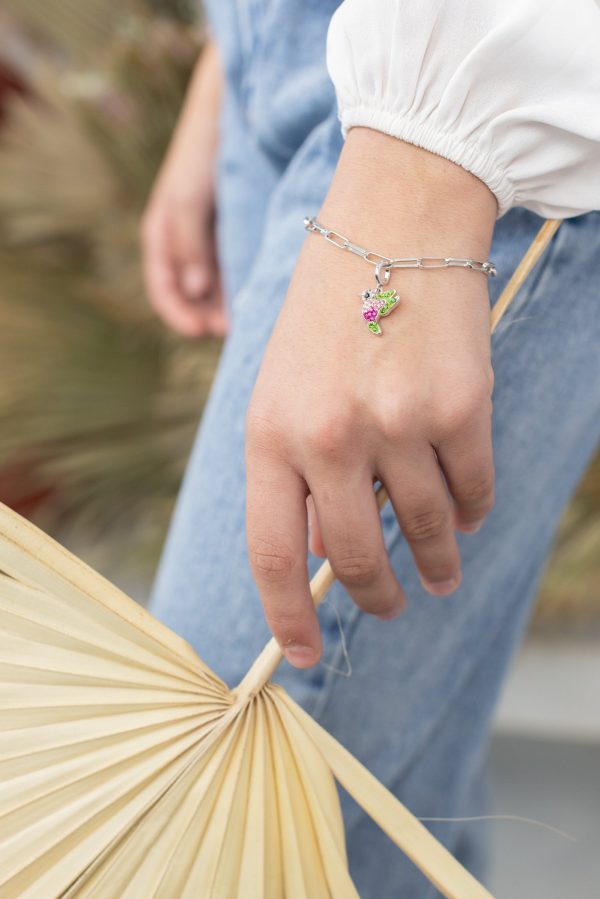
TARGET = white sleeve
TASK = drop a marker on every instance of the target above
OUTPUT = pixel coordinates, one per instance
(507, 89)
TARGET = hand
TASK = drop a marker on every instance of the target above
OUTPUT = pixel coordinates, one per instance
(178, 235)
(336, 407)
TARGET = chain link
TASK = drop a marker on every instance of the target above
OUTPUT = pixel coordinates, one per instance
(386, 262)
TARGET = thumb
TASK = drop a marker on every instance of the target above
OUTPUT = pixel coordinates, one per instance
(192, 250)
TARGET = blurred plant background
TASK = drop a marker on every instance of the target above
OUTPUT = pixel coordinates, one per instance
(98, 402)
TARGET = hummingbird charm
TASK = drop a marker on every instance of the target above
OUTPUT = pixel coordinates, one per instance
(376, 304)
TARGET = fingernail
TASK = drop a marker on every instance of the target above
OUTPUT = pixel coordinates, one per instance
(299, 655)
(473, 527)
(389, 616)
(192, 280)
(441, 588)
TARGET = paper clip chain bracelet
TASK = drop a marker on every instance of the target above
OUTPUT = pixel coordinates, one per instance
(378, 302)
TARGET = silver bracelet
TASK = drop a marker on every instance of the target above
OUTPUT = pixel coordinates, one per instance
(376, 301)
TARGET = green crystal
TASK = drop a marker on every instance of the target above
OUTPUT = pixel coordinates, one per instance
(374, 328)
(388, 307)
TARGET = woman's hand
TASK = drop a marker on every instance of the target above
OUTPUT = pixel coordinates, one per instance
(336, 407)
(178, 236)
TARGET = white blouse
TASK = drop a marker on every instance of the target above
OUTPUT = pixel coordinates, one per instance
(507, 89)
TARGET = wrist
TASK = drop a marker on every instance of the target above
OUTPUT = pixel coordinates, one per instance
(386, 192)
(201, 110)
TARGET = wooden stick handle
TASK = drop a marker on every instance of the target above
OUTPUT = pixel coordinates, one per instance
(266, 663)
(535, 250)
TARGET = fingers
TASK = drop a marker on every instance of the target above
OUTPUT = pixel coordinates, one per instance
(189, 240)
(164, 296)
(427, 515)
(276, 529)
(423, 508)
(350, 530)
(181, 274)
(417, 492)
(162, 286)
(466, 459)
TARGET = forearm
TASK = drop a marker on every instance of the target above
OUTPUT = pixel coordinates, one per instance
(178, 234)
(510, 91)
(195, 139)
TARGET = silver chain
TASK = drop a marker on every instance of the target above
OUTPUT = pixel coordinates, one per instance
(386, 263)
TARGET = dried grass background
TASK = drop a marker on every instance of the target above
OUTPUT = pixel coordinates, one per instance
(99, 403)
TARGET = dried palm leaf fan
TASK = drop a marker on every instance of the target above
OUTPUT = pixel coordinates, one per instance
(128, 769)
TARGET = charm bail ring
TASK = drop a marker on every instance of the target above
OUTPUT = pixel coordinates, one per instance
(387, 271)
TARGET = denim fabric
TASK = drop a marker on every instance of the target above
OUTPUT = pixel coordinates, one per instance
(417, 706)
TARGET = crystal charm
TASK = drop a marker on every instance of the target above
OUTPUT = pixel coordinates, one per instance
(376, 304)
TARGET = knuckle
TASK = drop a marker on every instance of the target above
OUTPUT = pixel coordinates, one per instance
(328, 438)
(395, 418)
(424, 524)
(356, 569)
(455, 416)
(285, 624)
(271, 562)
(457, 413)
(262, 427)
(477, 491)
(391, 426)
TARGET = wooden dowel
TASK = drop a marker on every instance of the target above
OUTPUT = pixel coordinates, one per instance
(535, 250)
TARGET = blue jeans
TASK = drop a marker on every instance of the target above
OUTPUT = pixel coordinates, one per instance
(416, 708)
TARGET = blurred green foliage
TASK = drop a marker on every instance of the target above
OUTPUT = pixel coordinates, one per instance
(98, 403)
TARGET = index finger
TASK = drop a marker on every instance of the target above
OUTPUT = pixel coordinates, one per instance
(276, 528)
